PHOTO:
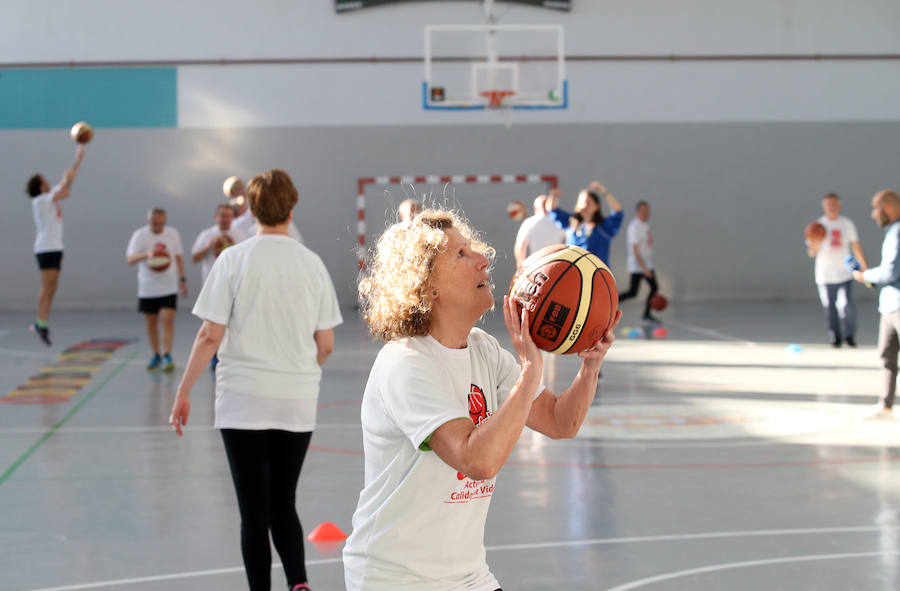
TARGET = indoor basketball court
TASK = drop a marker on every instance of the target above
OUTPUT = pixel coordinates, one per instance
(730, 441)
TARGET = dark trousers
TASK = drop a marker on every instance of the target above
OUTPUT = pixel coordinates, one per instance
(265, 467)
(633, 289)
(837, 301)
(888, 347)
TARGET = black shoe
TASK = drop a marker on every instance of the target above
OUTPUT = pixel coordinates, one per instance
(836, 343)
(41, 333)
(851, 342)
(651, 318)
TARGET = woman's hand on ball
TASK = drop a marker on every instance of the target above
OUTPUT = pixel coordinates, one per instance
(518, 327)
(593, 356)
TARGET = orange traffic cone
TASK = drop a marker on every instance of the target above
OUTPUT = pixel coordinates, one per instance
(326, 532)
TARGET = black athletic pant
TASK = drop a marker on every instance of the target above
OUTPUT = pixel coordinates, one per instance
(633, 289)
(265, 468)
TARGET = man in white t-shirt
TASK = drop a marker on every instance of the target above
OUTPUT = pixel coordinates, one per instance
(244, 222)
(212, 241)
(48, 241)
(834, 279)
(640, 258)
(537, 231)
(158, 285)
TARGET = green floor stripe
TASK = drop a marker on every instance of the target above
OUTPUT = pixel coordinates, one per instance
(21, 460)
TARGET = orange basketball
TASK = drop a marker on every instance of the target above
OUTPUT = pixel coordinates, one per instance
(517, 210)
(815, 232)
(659, 302)
(159, 261)
(81, 132)
(571, 295)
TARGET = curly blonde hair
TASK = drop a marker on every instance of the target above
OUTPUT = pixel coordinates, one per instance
(394, 292)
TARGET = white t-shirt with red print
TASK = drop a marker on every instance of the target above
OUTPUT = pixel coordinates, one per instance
(203, 240)
(639, 233)
(419, 524)
(830, 265)
(47, 222)
(155, 284)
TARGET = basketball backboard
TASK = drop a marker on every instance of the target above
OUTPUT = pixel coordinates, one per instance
(475, 67)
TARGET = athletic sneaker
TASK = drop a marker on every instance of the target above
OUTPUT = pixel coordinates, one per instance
(41, 333)
(155, 361)
(879, 413)
(851, 342)
(300, 587)
(651, 318)
(168, 364)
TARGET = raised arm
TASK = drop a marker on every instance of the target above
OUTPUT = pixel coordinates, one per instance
(70, 174)
(561, 416)
(479, 453)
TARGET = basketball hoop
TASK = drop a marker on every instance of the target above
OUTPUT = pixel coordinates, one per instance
(495, 97)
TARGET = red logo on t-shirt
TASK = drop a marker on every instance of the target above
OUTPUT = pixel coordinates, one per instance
(58, 211)
(477, 404)
(477, 410)
(649, 239)
(837, 239)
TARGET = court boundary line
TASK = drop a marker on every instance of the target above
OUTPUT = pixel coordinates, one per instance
(747, 564)
(508, 547)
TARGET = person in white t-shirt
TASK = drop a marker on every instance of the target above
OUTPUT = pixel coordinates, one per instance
(640, 258)
(408, 209)
(245, 223)
(834, 279)
(48, 241)
(443, 408)
(269, 308)
(537, 231)
(212, 241)
(158, 288)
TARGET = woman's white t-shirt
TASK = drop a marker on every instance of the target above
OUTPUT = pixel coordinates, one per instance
(272, 294)
(47, 221)
(419, 524)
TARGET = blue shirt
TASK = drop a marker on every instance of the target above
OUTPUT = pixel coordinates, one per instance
(887, 274)
(596, 240)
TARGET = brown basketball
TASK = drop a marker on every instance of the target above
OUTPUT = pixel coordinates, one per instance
(82, 132)
(159, 261)
(659, 302)
(815, 232)
(571, 295)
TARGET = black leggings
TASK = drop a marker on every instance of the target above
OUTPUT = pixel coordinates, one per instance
(265, 468)
(633, 289)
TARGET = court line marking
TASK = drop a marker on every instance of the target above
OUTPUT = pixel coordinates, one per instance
(507, 547)
(711, 333)
(747, 564)
(49, 433)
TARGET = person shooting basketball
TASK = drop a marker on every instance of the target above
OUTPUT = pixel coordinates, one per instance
(587, 227)
(48, 241)
(443, 407)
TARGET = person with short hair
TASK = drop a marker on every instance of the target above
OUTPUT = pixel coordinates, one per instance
(158, 288)
(212, 241)
(587, 227)
(48, 240)
(834, 281)
(640, 258)
(269, 308)
(245, 224)
(886, 213)
(408, 209)
(537, 231)
(443, 408)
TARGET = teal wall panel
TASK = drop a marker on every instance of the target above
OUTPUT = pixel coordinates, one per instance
(53, 98)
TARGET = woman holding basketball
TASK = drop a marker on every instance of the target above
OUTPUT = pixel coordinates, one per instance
(587, 227)
(431, 454)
